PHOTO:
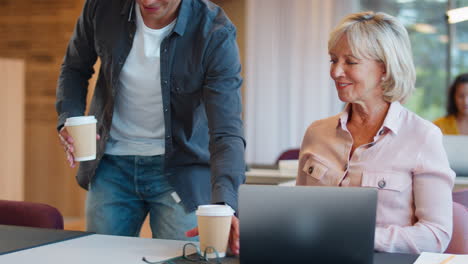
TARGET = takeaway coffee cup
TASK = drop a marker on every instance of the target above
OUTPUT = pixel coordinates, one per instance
(83, 131)
(214, 224)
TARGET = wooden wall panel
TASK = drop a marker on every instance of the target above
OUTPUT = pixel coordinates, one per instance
(12, 129)
(38, 32)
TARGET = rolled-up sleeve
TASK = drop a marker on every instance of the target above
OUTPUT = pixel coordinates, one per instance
(77, 67)
(432, 189)
(221, 94)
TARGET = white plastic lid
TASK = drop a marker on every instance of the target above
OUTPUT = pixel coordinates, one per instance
(80, 120)
(214, 210)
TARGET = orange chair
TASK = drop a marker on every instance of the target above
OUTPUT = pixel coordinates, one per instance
(459, 242)
(30, 214)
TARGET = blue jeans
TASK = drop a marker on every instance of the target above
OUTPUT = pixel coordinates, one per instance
(125, 189)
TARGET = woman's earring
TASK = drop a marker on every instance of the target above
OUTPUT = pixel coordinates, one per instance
(383, 78)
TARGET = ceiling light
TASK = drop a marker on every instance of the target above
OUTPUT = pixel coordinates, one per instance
(424, 28)
(457, 15)
(443, 38)
(463, 46)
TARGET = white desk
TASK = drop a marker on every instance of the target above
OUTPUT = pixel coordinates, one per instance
(102, 249)
(98, 249)
(273, 176)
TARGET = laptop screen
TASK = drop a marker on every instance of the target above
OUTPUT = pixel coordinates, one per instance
(304, 224)
(456, 148)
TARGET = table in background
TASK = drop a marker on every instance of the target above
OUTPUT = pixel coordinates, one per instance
(274, 176)
(268, 176)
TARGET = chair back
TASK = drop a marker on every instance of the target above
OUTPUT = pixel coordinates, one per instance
(461, 197)
(30, 214)
(459, 242)
(290, 154)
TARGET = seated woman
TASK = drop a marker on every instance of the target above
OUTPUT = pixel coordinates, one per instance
(376, 142)
(456, 120)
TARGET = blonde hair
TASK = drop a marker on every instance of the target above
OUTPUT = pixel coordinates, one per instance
(381, 37)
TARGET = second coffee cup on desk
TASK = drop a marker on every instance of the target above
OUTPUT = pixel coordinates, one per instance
(83, 131)
(214, 225)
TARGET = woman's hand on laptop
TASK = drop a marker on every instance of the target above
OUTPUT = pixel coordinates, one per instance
(233, 235)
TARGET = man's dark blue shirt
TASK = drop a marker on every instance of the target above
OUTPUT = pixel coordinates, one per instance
(200, 83)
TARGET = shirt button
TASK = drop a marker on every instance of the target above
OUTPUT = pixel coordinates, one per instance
(165, 50)
(165, 109)
(165, 81)
(382, 184)
(311, 169)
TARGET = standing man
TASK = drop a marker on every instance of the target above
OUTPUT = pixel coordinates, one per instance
(168, 106)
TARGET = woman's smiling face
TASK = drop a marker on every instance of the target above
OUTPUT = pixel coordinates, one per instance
(356, 79)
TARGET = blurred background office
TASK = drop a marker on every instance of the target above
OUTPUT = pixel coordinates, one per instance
(283, 46)
(455, 122)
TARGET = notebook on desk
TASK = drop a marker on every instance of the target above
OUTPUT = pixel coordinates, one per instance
(457, 153)
(306, 224)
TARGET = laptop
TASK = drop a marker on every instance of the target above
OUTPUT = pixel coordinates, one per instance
(305, 224)
(456, 148)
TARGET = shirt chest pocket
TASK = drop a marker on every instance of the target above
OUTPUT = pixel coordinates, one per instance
(187, 86)
(317, 172)
(394, 187)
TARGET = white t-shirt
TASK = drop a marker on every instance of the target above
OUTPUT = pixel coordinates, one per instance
(138, 120)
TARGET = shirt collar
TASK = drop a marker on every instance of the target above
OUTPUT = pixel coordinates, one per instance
(182, 18)
(391, 121)
(343, 116)
(128, 9)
